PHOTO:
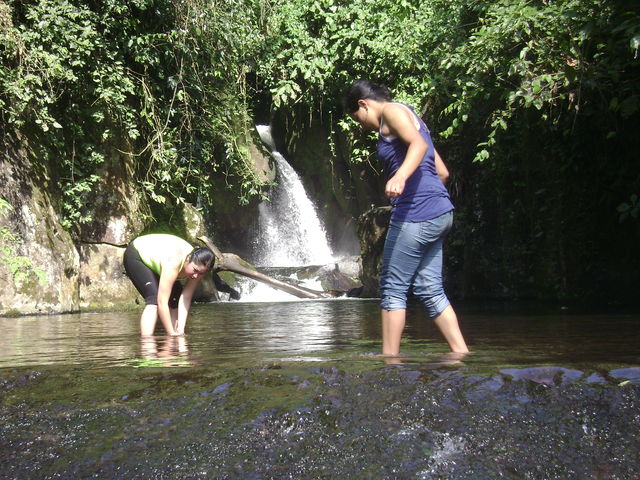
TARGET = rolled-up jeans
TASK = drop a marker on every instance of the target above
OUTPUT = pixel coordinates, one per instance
(413, 260)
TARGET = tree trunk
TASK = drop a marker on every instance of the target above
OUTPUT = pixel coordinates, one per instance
(233, 263)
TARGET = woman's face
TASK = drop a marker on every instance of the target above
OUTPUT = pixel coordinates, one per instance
(364, 116)
(193, 270)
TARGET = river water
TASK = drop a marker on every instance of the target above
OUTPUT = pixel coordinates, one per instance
(294, 390)
(309, 330)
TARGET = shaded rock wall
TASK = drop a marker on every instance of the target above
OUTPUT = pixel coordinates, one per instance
(372, 230)
(233, 225)
(39, 263)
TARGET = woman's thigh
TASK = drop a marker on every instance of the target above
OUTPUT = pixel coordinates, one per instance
(410, 248)
(407, 244)
(402, 253)
(142, 277)
(427, 284)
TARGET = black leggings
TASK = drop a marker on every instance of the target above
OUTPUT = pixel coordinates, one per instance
(146, 280)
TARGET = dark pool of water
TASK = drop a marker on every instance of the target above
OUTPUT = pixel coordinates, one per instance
(320, 330)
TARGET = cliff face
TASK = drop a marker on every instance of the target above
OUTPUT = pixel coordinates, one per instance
(39, 264)
(43, 268)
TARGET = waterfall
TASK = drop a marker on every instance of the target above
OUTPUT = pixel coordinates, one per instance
(289, 230)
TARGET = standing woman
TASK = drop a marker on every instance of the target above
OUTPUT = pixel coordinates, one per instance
(422, 213)
(155, 263)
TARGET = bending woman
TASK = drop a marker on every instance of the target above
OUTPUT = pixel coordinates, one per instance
(155, 263)
(422, 213)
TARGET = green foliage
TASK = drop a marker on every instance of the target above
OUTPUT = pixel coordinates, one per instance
(549, 57)
(162, 81)
(314, 49)
(630, 209)
(20, 267)
(479, 61)
(543, 95)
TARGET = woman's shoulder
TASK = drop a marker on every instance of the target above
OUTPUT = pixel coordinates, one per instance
(397, 107)
(397, 114)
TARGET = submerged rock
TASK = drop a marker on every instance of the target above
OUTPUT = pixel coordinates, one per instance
(631, 375)
(544, 375)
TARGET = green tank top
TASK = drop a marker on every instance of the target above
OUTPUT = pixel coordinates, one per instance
(156, 247)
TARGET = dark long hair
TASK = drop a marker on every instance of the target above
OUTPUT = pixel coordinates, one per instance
(202, 256)
(362, 90)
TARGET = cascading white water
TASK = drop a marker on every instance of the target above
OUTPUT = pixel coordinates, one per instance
(290, 232)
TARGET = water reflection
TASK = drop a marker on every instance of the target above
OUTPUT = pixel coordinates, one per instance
(163, 352)
(319, 330)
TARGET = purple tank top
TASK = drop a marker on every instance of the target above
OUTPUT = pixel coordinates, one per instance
(424, 197)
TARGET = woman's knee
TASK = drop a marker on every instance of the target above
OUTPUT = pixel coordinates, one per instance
(434, 304)
(393, 302)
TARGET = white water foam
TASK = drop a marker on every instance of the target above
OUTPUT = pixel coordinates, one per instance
(290, 232)
(253, 291)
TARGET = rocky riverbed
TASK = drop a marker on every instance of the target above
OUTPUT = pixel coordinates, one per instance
(320, 420)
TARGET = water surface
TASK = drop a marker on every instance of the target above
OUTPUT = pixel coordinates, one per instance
(344, 329)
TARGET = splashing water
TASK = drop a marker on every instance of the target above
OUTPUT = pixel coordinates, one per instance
(253, 291)
(290, 232)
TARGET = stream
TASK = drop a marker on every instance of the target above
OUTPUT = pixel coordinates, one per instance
(259, 390)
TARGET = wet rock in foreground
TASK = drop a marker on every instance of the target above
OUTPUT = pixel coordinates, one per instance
(322, 422)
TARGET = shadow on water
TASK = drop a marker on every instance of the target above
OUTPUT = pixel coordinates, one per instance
(296, 390)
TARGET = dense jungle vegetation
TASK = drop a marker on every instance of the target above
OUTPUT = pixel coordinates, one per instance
(534, 105)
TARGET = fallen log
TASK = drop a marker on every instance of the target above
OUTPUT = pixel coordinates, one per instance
(233, 263)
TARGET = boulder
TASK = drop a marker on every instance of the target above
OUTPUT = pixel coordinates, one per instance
(39, 264)
(103, 282)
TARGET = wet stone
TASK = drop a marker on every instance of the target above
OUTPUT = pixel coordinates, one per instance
(222, 387)
(632, 375)
(544, 375)
(18, 380)
(484, 388)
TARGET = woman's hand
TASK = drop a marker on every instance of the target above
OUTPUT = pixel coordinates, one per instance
(395, 186)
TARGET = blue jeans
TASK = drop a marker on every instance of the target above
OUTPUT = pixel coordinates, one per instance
(413, 259)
